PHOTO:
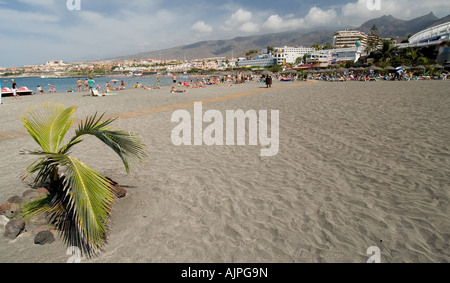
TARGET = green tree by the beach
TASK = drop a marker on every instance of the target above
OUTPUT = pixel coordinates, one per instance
(80, 199)
(373, 39)
(317, 46)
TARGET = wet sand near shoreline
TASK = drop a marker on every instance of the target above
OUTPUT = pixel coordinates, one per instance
(360, 164)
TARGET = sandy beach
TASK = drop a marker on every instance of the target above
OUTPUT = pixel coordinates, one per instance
(360, 164)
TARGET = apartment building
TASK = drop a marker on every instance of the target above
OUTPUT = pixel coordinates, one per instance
(349, 38)
(289, 55)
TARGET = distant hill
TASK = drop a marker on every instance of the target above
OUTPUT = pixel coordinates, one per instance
(442, 21)
(240, 45)
(388, 26)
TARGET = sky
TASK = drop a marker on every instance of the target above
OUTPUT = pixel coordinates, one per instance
(35, 31)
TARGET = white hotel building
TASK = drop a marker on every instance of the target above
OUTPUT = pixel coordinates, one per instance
(324, 58)
(289, 54)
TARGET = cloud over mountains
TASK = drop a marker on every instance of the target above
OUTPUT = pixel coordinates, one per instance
(37, 31)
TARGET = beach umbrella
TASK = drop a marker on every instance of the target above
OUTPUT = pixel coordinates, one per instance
(115, 81)
(406, 67)
(376, 68)
(419, 67)
(390, 68)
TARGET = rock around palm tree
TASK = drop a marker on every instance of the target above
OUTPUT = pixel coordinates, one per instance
(80, 199)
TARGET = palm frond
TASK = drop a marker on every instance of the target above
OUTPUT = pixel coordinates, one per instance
(36, 207)
(128, 146)
(43, 168)
(48, 124)
(87, 197)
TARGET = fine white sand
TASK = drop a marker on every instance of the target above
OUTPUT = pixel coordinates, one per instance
(360, 164)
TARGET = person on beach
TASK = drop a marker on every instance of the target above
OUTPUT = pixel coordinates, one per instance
(269, 81)
(91, 83)
(39, 89)
(108, 87)
(398, 74)
(174, 90)
(122, 85)
(51, 89)
(79, 84)
(174, 79)
(14, 88)
(86, 85)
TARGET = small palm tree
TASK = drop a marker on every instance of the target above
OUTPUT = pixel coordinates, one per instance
(80, 199)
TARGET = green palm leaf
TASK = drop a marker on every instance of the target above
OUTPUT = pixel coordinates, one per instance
(89, 198)
(49, 124)
(85, 195)
(127, 145)
(45, 169)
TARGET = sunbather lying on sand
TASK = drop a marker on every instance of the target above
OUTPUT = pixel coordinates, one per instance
(174, 90)
(152, 87)
(196, 86)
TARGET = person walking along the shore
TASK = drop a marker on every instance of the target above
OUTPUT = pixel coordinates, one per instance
(79, 84)
(91, 83)
(269, 81)
(14, 88)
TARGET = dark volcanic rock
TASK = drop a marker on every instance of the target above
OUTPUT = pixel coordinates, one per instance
(10, 210)
(16, 199)
(118, 191)
(44, 237)
(14, 228)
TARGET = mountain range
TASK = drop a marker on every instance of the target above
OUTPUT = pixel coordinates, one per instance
(388, 27)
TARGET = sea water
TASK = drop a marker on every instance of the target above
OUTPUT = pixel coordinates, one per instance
(66, 84)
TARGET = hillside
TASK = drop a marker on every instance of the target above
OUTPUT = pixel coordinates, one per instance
(390, 27)
(441, 21)
(240, 45)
